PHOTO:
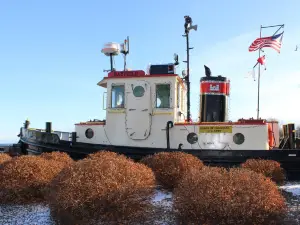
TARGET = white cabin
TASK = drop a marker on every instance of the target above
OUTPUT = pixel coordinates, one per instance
(139, 105)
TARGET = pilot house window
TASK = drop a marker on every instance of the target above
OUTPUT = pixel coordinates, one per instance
(163, 96)
(117, 96)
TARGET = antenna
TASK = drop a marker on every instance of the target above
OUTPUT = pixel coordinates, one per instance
(176, 59)
(187, 27)
(125, 50)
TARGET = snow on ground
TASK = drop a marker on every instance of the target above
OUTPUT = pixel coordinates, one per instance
(40, 214)
(292, 187)
(37, 214)
(163, 198)
(34, 214)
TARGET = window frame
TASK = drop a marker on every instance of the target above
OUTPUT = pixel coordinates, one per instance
(111, 95)
(178, 95)
(170, 93)
(182, 98)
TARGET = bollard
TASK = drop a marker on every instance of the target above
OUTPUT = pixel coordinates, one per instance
(74, 137)
(291, 135)
(48, 127)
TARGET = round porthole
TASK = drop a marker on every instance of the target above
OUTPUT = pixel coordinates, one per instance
(55, 139)
(89, 133)
(138, 91)
(192, 138)
(238, 138)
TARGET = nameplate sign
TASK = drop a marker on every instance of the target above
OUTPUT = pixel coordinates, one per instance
(215, 129)
(134, 73)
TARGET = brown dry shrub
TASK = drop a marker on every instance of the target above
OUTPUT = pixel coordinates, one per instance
(4, 157)
(237, 196)
(269, 168)
(106, 154)
(60, 157)
(25, 179)
(170, 167)
(214, 169)
(102, 188)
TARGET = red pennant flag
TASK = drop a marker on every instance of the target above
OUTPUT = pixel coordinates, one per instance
(261, 60)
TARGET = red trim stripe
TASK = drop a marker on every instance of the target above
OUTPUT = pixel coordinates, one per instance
(240, 122)
(154, 75)
(90, 123)
(213, 87)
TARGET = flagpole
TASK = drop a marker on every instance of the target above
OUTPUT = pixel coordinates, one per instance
(258, 81)
(280, 25)
(259, 50)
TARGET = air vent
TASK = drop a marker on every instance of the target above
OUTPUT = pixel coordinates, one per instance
(162, 69)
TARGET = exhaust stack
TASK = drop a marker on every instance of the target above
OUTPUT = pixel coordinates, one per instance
(214, 93)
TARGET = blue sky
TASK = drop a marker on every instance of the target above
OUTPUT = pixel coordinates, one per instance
(51, 61)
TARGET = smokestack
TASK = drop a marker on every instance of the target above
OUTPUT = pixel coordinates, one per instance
(214, 93)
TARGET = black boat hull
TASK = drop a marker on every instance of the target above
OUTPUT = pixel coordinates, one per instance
(289, 159)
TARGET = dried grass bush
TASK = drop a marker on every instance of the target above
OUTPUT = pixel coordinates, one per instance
(4, 157)
(25, 179)
(170, 167)
(269, 168)
(103, 187)
(214, 169)
(59, 157)
(107, 154)
(60, 160)
(236, 196)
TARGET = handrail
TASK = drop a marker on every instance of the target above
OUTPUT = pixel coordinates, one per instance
(169, 125)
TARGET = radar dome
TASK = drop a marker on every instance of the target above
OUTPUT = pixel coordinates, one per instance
(111, 48)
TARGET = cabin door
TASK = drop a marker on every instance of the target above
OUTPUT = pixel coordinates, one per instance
(138, 110)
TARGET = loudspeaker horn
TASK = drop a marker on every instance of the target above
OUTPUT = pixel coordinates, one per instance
(194, 27)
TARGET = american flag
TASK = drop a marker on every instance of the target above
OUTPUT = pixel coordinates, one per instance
(267, 42)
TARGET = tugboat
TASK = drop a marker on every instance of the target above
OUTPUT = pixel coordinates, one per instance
(149, 112)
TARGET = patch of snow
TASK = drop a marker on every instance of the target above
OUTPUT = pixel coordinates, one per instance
(294, 188)
(163, 198)
(25, 214)
(161, 195)
(36, 214)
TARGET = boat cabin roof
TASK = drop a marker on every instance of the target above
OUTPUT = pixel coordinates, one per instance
(133, 74)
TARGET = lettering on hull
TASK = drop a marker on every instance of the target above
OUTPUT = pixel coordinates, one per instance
(215, 129)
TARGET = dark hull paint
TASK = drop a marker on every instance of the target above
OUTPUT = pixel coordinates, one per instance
(289, 159)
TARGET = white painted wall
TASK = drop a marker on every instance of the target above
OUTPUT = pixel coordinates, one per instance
(256, 137)
(115, 132)
(100, 134)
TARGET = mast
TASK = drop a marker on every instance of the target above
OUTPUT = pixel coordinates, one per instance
(188, 26)
(258, 82)
(260, 49)
(125, 50)
(111, 62)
